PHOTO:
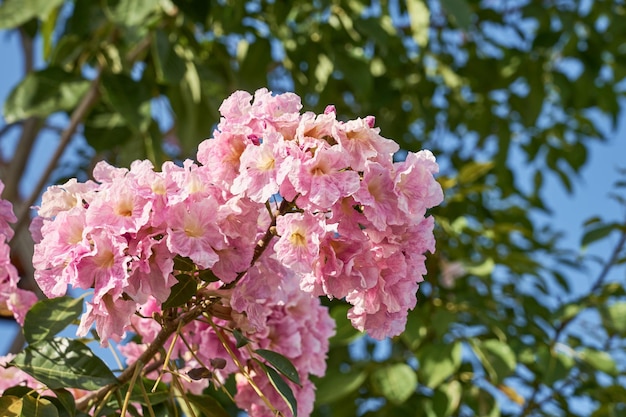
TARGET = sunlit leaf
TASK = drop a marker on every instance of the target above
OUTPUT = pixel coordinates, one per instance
(48, 317)
(10, 406)
(438, 362)
(15, 12)
(396, 382)
(64, 363)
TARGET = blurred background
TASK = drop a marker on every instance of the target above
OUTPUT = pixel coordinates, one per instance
(523, 311)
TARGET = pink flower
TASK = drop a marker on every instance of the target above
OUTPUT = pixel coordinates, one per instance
(193, 232)
(362, 142)
(415, 185)
(259, 167)
(376, 195)
(325, 178)
(111, 316)
(299, 242)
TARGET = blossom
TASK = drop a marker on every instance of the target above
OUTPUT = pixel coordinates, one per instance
(299, 241)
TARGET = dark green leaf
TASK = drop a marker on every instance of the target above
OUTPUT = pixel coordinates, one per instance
(240, 339)
(447, 398)
(66, 400)
(345, 332)
(597, 232)
(44, 92)
(460, 10)
(281, 363)
(182, 263)
(129, 98)
(207, 405)
(48, 317)
(396, 382)
(282, 388)
(170, 68)
(64, 363)
(182, 291)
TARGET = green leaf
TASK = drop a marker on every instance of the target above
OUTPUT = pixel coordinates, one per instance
(473, 171)
(396, 382)
(129, 98)
(44, 92)
(438, 362)
(182, 291)
(614, 317)
(38, 407)
(419, 16)
(133, 12)
(597, 232)
(169, 67)
(105, 128)
(345, 333)
(282, 388)
(182, 263)
(447, 398)
(336, 384)
(64, 363)
(599, 360)
(497, 357)
(207, 405)
(15, 12)
(240, 339)
(281, 363)
(66, 399)
(10, 406)
(460, 10)
(48, 317)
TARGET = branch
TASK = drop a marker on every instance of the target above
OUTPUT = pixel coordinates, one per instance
(77, 116)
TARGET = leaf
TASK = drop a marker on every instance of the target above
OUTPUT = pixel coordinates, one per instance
(336, 384)
(419, 16)
(38, 407)
(105, 128)
(129, 98)
(345, 333)
(396, 382)
(460, 10)
(66, 399)
(169, 67)
(240, 339)
(182, 263)
(599, 360)
(281, 363)
(447, 399)
(44, 92)
(497, 357)
(207, 405)
(597, 232)
(614, 317)
(46, 318)
(438, 362)
(283, 389)
(13, 13)
(64, 363)
(10, 406)
(473, 171)
(182, 291)
(133, 12)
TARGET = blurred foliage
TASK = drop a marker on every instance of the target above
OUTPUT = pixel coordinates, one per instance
(487, 86)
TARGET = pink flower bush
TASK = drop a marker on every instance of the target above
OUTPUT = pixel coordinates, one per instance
(13, 299)
(281, 207)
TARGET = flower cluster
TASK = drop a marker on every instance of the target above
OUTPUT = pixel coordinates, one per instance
(13, 300)
(281, 207)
